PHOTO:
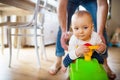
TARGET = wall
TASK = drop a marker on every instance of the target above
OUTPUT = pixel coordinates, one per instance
(115, 18)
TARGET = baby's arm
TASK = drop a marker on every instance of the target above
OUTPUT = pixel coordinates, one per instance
(74, 54)
(81, 50)
(102, 46)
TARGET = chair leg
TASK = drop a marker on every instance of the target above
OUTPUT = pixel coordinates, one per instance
(10, 46)
(43, 51)
(18, 44)
(36, 46)
(2, 41)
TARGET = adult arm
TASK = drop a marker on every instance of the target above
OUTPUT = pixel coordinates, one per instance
(62, 16)
(101, 17)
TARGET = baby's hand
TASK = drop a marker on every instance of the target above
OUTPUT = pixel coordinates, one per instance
(81, 50)
(101, 48)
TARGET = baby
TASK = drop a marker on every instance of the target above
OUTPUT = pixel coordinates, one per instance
(83, 32)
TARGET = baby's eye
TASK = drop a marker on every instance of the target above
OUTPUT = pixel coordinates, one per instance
(76, 28)
(85, 27)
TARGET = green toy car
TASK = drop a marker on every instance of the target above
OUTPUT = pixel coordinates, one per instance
(87, 70)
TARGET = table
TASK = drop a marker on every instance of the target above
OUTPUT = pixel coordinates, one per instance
(21, 7)
(22, 4)
(14, 7)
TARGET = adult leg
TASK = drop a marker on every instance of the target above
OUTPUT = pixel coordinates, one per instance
(72, 6)
(59, 53)
(59, 50)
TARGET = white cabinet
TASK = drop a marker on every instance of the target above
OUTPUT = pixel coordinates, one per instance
(50, 27)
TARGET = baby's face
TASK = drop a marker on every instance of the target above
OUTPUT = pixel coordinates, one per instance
(82, 27)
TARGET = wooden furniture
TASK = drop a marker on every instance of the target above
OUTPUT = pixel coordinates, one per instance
(33, 24)
(1, 40)
(22, 4)
(13, 7)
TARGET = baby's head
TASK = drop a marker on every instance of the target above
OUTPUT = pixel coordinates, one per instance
(82, 25)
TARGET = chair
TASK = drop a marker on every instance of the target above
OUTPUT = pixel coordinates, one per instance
(1, 41)
(31, 25)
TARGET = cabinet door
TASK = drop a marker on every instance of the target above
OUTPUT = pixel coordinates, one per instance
(50, 27)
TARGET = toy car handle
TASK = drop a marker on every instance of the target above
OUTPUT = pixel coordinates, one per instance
(88, 55)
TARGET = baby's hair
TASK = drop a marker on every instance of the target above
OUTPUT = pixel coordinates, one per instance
(82, 13)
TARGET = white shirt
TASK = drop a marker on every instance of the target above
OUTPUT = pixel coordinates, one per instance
(74, 42)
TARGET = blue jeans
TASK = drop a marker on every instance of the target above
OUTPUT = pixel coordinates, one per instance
(91, 7)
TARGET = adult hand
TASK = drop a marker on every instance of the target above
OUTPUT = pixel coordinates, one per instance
(102, 37)
(101, 48)
(64, 39)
